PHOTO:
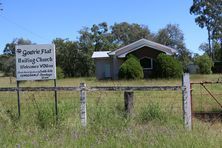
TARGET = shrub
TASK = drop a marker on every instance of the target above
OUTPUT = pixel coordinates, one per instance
(205, 64)
(131, 69)
(168, 67)
(59, 73)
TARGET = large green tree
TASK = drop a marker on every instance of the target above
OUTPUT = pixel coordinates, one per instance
(67, 56)
(97, 38)
(171, 35)
(125, 33)
(209, 15)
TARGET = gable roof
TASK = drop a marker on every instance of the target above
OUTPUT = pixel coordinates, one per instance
(123, 51)
(100, 54)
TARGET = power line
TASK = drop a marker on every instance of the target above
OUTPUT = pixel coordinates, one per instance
(22, 27)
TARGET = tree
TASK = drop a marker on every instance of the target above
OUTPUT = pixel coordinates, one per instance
(125, 33)
(205, 63)
(3, 58)
(67, 56)
(8, 65)
(171, 35)
(205, 47)
(74, 58)
(97, 37)
(217, 50)
(208, 14)
(10, 47)
(102, 38)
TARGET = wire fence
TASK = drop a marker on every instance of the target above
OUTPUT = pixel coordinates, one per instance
(33, 101)
(207, 100)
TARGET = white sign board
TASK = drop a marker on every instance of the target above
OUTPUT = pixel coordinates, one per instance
(35, 62)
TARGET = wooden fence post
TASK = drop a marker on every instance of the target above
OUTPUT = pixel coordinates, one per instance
(187, 114)
(83, 116)
(128, 99)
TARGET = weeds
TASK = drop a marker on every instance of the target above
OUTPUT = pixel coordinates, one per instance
(156, 122)
(151, 112)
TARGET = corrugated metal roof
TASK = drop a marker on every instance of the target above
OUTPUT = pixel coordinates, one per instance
(100, 54)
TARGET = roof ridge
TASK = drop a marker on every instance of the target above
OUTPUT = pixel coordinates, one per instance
(127, 45)
(160, 44)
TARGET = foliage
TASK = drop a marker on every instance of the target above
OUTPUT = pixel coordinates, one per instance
(125, 33)
(59, 73)
(131, 69)
(7, 60)
(168, 67)
(217, 50)
(74, 57)
(205, 63)
(67, 56)
(10, 47)
(2, 60)
(208, 14)
(103, 39)
(172, 36)
(8, 65)
(205, 47)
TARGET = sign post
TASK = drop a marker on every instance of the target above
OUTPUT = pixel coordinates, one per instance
(18, 98)
(36, 62)
(56, 101)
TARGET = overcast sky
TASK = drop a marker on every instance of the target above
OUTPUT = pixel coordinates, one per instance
(41, 21)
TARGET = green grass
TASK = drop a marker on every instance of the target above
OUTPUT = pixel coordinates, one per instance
(156, 120)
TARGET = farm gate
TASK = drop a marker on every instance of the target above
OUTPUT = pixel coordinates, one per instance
(206, 99)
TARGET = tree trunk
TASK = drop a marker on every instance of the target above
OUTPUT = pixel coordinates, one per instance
(209, 43)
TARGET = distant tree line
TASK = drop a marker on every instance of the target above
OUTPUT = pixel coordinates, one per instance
(74, 57)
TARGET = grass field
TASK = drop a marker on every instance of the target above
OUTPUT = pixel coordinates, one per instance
(156, 122)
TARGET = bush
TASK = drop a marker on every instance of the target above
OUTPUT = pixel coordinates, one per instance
(131, 69)
(59, 73)
(205, 64)
(168, 67)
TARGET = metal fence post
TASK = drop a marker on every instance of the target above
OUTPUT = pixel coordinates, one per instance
(187, 114)
(83, 116)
